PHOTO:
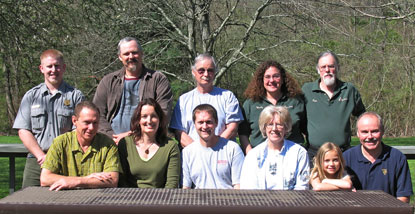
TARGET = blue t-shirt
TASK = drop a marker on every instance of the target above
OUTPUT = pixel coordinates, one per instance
(389, 172)
(129, 102)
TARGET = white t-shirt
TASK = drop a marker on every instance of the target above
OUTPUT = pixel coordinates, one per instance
(218, 167)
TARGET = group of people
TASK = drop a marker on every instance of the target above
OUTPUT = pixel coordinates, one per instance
(120, 138)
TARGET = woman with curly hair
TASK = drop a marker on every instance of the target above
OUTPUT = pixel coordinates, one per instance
(271, 85)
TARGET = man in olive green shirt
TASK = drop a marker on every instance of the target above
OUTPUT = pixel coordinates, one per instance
(82, 158)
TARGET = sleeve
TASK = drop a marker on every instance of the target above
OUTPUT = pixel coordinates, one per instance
(303, 171)
(178, 120)
(100, 100)
(359, 108)
(404, 183)
(79, 97)
(249, 177)
(233, 111)
(187, 181)
(173, 169)
(164, 95)
(112, 161)
(23, 118)
(53, 161)
(237, 162)
(244, 127)
(302, 114)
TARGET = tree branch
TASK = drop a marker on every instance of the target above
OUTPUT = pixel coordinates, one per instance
(242, 44)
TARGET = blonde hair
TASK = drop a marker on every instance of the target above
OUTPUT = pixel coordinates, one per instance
(52, 53)
(268, 114)
(318, 161)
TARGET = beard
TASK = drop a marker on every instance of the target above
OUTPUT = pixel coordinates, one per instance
(131, 67)
(329, 81)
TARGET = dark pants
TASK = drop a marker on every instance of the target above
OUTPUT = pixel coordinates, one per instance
(31, 174)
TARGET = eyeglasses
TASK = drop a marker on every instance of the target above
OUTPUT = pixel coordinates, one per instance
(275, 76)
(329, 67)
(203, 70)
(277, 125)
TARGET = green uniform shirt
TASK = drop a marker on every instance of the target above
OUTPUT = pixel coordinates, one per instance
(252, 110)
(65, 156)
(160, 171)
(328, 120)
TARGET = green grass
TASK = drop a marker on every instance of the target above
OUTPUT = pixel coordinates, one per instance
(403, 141)
(4, 168)
(20, 162)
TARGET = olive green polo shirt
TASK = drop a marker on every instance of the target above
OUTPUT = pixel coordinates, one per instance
(328, 119)
(252, 110)
(66, 157)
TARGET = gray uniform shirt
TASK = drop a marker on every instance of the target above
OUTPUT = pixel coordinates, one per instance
(47, 115)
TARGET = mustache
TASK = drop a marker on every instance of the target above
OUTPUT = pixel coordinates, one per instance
(370, 140)
(328, 74)
(132, 60)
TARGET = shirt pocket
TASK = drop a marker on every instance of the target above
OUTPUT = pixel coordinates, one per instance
(65, 119)
(38, 119)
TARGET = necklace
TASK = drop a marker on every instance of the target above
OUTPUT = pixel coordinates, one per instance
(148, 148)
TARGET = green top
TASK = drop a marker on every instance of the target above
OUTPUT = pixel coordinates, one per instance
(328, 120)
(160, 171)
(252, 110)
(65, 156)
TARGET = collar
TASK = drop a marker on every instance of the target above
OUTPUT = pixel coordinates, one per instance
(77, 148)
(383, 155)
(340, 85)
(284, 97)
(264, 154)
(45, 90)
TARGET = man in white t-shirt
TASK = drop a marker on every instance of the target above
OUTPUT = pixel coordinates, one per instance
(224, 101)
(212, 162)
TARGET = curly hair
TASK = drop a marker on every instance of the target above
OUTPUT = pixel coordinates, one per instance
(161, 135)
(256, 90)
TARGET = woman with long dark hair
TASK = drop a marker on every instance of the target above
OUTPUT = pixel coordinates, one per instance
(148, 159)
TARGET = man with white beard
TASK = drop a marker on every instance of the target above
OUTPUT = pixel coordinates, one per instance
(329, 104)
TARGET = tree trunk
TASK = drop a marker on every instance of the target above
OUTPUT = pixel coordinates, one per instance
(11, 112)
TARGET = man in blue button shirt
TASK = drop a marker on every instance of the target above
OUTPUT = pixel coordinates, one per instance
(374, 165)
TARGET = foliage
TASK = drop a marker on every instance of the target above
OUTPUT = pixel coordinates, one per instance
(374, 41)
